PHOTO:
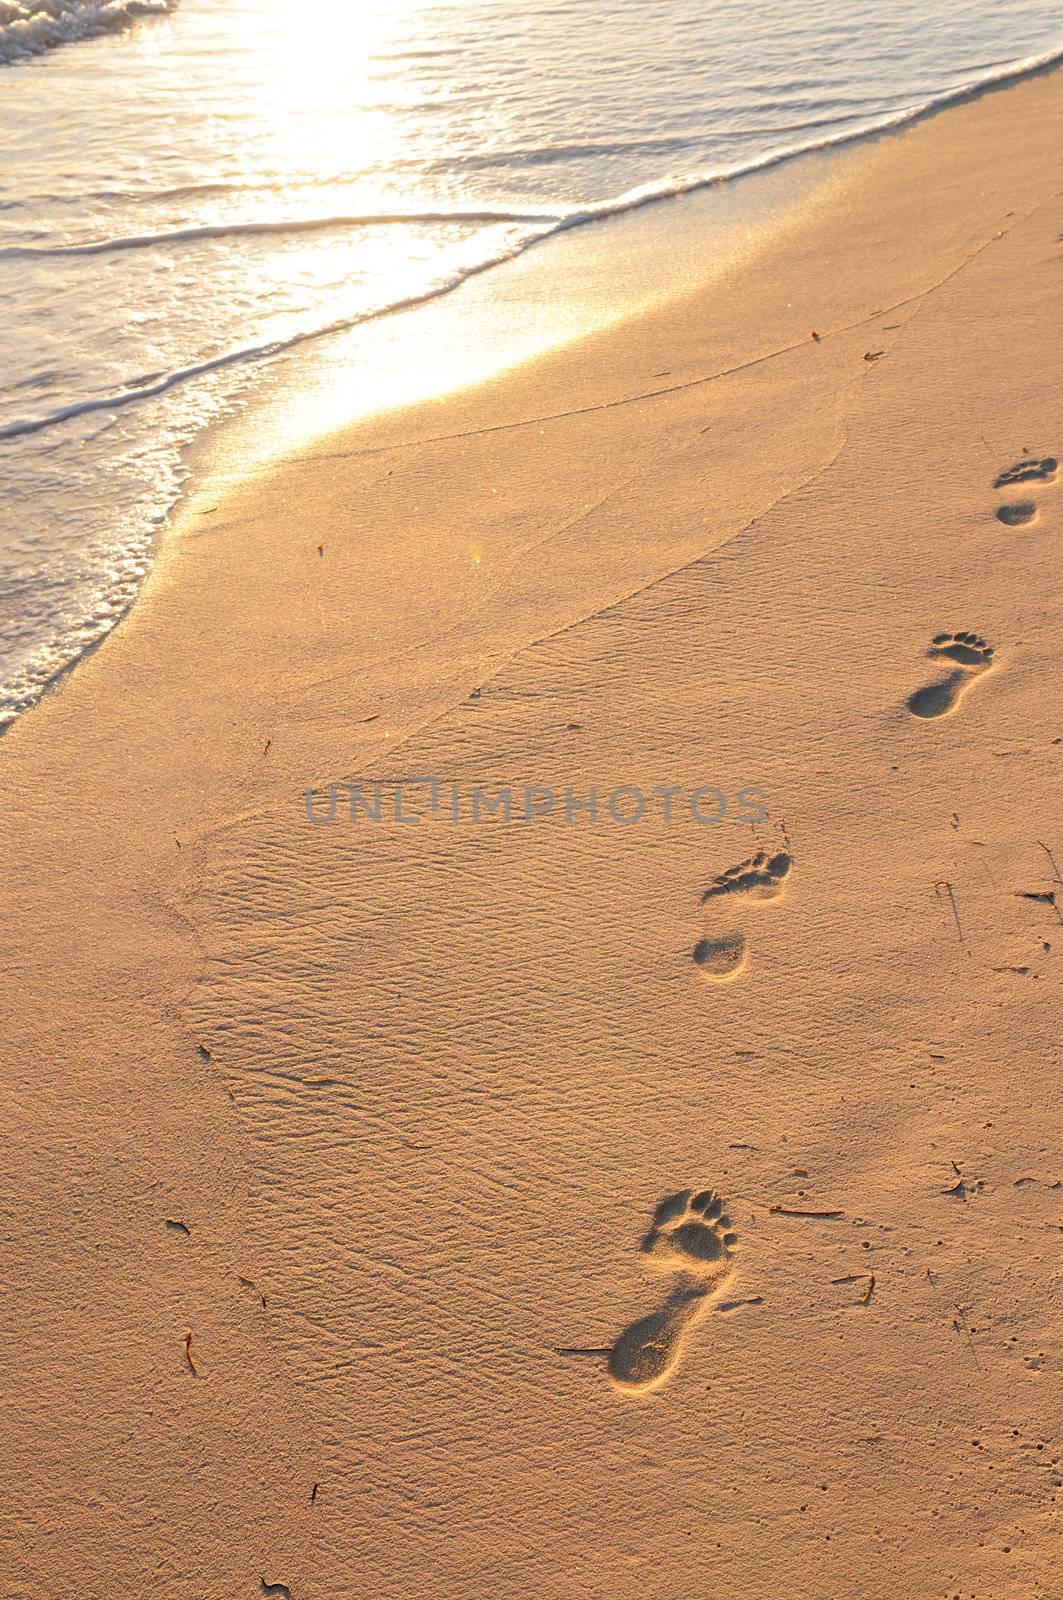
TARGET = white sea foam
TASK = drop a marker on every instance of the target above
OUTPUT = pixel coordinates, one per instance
(235, 230)
(29, 27)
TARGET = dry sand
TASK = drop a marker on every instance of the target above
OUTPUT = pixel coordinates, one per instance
(439, 1108)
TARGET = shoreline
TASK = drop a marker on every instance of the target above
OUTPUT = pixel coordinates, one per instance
(307, 393)
(478, 328)
(415, 1095)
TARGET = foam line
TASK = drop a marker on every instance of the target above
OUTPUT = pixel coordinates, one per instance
(29, 28)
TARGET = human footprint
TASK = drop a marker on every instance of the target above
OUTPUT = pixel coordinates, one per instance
(723, 955)
(973, 657)
(691, 1236)
(1031, 469)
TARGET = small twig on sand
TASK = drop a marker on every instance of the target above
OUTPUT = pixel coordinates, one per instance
(869, 1291)
(962, 1323)
(583, 1350)
(947, 886)
(188, 1352)
(1059, 879)
(791, 1211)
(1052, 858)
(247, 1283)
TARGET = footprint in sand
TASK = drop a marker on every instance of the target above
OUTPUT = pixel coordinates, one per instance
(690, 1236)
(973, 657)
(1042, 469)
(723, 955)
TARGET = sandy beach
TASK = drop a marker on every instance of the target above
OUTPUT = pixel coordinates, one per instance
(569, 1206)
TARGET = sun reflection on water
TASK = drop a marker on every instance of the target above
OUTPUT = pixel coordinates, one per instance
(327, 103)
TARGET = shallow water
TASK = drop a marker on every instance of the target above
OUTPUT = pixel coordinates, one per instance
(196, 194)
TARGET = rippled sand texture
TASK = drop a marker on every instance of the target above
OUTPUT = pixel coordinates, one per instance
(407, 1211)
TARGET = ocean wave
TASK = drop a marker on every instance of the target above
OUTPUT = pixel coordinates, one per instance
(506, 158)
(30, 27)
(222, 230)
(148, 387)
(888, 122)
(837, 131)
